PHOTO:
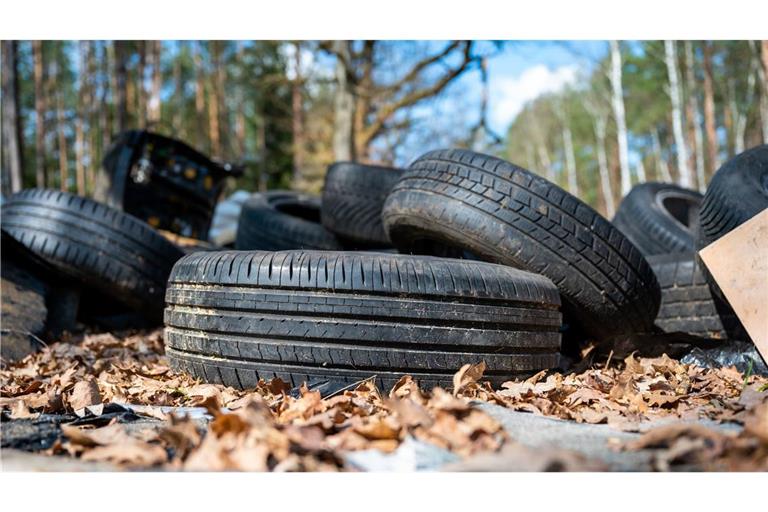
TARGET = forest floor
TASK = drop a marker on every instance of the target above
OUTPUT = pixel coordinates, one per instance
(104, 401)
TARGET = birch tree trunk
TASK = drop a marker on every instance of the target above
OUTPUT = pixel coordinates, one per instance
(602, 161)
(570, 159)
(640, 171)
(618, 112)
(709, 110)
(694, 115)
(670, 54)
(541, 147)
(11, 122)
(297, 114)
(344, 107)
(41, 172)
(661, 163)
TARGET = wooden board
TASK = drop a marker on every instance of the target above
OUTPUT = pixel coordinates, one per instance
(739, 264)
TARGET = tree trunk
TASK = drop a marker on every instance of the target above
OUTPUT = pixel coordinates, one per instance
(120, 85)
(261, 144)
(763, 75)
(602, 160)
(618, 112)
(105, 128)
(344, 107)
(740, 115)
(297, 114)
(63, 157)
(709, 110)
(220, 73)
(661, 164)
(153, 106)
(141, 89)
(93, 123)
(549, 171)
(570, 160)
(80, 116)
(11, 120)
(41, 172)
(178, 95)
(214, 133)
(670, 54)
(200, 109)
(640, 172)
(242, 146)
(694, 116)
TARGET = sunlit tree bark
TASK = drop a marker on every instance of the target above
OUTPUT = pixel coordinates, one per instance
(670, 58)
(618, 112)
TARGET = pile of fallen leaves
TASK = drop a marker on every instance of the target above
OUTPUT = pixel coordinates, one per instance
(268, 428)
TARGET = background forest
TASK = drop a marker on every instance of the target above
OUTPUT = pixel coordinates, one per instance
(637, 111)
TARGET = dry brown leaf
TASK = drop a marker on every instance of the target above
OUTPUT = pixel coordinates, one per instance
(467, 374)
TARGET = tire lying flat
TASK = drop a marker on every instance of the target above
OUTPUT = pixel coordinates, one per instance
(353, 196)
(502, 213)
(104, 249)
(235, 317)
(687, 303)
(660, 218)
(282, 220)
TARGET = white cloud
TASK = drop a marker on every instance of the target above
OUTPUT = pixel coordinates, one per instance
(509, 95)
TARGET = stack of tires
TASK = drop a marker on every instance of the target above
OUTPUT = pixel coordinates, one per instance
(669, 224)
(461, 258)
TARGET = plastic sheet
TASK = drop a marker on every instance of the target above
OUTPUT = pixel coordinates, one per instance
(741, 354)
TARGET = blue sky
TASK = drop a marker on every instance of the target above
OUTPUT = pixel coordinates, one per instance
(527, 69)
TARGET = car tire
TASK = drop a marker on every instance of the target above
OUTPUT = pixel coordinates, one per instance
(99, 247)
(282, 220)
(490, 209)
(660, 218)
(353, 197)
(687, 303)
(236, 317)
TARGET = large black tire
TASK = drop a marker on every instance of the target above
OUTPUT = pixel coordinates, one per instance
(104, 249)
(502, 213)
(738, 191)
(687, 303)
(282, 220)
(660, 218)
(235, 317)
(353, 197)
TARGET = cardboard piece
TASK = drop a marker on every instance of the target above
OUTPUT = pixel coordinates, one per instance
(739, 264)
